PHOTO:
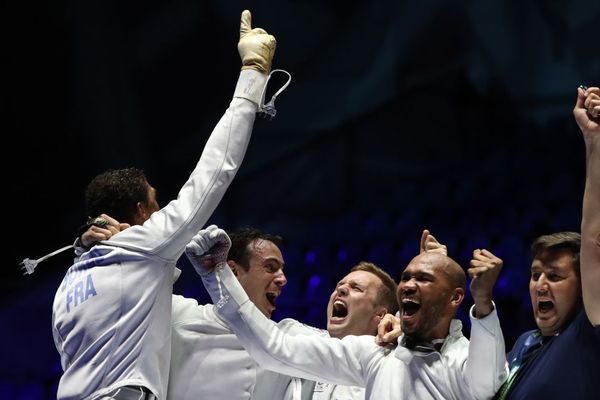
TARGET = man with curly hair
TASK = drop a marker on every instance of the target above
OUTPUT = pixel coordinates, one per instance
(111, 314)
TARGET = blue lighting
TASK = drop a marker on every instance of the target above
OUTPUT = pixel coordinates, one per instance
(314, 281)
(311, 257)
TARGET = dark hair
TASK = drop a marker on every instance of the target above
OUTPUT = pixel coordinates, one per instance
(386, 295)
(240, 240)
(558, 241)
(116, 192)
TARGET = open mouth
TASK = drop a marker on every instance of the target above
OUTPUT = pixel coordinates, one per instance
(410, 307)
(272, 298)
(545, 306)
(340, 309)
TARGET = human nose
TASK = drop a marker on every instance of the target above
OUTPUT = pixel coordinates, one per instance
(408, 286)
(342, 289)
(541, 284)
(280, 279)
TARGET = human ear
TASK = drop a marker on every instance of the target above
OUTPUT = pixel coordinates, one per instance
(141, 213)
(458, 296)
(233, 266)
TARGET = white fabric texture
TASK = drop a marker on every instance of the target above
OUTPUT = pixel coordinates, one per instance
(209, 362)
(111, 314)
(462, 370)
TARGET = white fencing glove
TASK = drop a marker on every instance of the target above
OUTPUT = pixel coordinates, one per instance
(256, 46)
(208, 249)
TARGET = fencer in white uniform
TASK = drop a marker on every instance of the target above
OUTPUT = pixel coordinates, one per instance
(204, 346)
(112, 312)
(460, 369)
(208, 361)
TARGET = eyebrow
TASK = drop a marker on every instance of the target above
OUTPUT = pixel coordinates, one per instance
(418, 274)
(351, 282)
(341, 282)
(553, 268)
(274, 260)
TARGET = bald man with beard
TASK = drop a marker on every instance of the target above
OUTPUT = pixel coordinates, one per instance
(433, 360)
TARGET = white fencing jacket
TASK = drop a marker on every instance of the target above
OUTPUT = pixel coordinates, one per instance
(209, 362)
(462, 370)
(111, 314)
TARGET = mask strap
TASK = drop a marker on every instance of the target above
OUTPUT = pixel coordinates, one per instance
(269, 108)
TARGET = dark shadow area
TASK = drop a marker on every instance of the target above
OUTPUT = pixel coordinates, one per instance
(453, 116)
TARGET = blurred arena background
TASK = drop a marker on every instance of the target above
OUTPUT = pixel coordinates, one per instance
(453, 116)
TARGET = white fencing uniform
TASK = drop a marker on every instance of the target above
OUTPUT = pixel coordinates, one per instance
(111, 314)
(462, 370)
(209, 362)
(310, 390)
(329, 391)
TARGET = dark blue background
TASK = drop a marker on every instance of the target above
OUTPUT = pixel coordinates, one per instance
(448, 115)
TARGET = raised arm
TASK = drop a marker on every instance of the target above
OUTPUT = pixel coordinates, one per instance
(587, 115)
(167, 231)
(305, 356)
(484, 270)
(486, 367)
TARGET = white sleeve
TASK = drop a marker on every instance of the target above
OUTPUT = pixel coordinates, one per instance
(293, 327)
(306, 356)
(167, 232)
(486, 367)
